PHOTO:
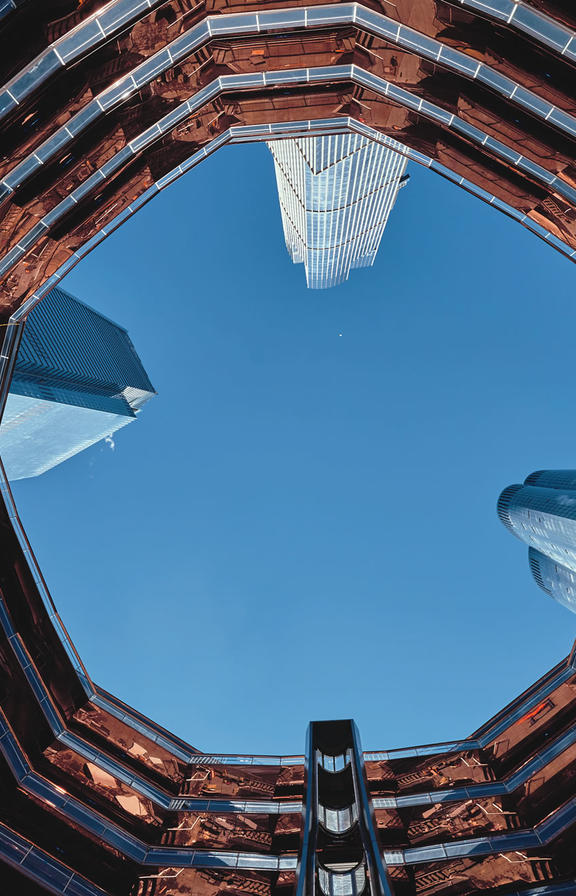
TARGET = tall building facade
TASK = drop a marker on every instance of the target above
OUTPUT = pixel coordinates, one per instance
(542, 514)
(77, 380)
(336, 194)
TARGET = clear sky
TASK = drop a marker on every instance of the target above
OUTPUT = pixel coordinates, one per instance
(302, 524)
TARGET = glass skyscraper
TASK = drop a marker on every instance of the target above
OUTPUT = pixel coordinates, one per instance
(77, 380)
(336, 194)
(542, 513)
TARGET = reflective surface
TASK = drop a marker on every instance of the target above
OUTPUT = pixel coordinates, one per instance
(436, 803)
(103, 107)
(187, 66)
(542, 514)
(77, 380)
(335, 197)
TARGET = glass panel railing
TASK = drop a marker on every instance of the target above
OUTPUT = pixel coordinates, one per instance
(373, 21)
(533, 23)
(6, 7)
(53, 615)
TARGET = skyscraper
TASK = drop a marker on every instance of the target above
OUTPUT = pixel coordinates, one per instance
(76, 381)
(336, 194)
(542, 514)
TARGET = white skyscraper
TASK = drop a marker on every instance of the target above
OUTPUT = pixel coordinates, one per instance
(335, 196)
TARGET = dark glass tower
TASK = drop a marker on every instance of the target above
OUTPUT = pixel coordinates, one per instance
(77, 380)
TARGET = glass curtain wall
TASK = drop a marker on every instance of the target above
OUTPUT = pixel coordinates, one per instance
(336, 193)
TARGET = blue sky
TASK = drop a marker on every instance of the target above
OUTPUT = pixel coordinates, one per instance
(302, 524)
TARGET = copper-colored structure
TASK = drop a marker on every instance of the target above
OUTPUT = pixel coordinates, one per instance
(102, 107)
